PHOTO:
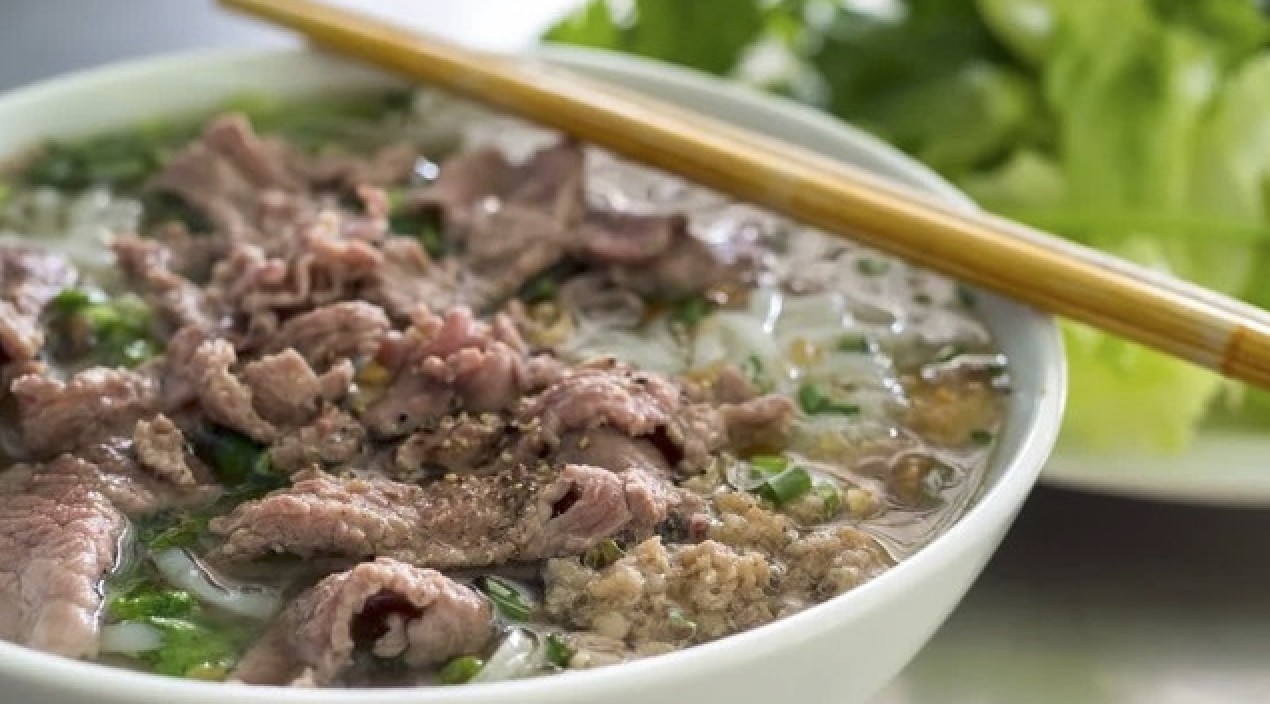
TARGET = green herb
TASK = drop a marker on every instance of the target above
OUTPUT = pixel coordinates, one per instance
(603, 554)
(965, 296)
(982, 438)
(923, 299)
(509, 600)
(315, 124)
(691, 311)
(121, 161)
(73, 300)
(426, 226)
(831, 498)
(858, 344)
(161, 208)
(239, 462)
(121, 327)
(814, 401)
(786, 486)
(872, 267)
(753, 369)
(181, 529)
(559, 652)
(6, 192)
(460, 670)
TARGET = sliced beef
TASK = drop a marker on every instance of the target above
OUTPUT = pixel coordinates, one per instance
(458, 521)
(689, 267)
(605, 393)
(509, 246)
(333, 439)
(347, 330)
(58, 416)
(147, 265)
(465, 179)
(161, 449)
(285, 390)
(444, 364)
(462, 443)
(342, 171)
(759, 422)
(60, 529)
(387, 608)
(318, 267)
(627, 238)
(222, 174)
(223, 397)
(410, 278)
(29, 278)
(179, 378)
(646, 407)
(59, 536)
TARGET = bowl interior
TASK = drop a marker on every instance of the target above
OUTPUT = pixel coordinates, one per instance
(197, 83)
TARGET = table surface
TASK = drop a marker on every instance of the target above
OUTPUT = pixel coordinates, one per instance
(1091, 600)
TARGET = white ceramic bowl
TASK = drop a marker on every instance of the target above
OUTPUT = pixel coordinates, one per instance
(842, 651)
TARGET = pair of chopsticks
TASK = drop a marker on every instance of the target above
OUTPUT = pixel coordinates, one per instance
(1053, 274)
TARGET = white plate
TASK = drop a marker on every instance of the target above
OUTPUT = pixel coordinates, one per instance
(1224, 468)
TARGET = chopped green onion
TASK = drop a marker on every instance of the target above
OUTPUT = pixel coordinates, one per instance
(6, 192)
(831, 497)
(675, 616)
(948, 353)
(853, 343)
(511, 603)
(786, 486)
(923, 299)
(142, 601)
(460, 670)
(691, 311)
(193, 647)
(542, 287)
(981, 437)
(769, 464)
(872, 267)
(559, 653)
(602, 555)
(814, 401)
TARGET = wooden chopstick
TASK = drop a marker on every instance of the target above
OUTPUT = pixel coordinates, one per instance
(1048, 272)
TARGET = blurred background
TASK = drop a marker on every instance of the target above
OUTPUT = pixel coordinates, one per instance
(1138, 126)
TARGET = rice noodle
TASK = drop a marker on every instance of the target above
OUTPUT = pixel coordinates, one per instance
(184, 571)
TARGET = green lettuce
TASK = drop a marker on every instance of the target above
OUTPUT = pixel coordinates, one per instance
(1136, 126)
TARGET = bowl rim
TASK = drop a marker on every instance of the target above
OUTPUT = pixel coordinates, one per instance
(996, 506)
